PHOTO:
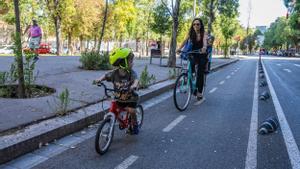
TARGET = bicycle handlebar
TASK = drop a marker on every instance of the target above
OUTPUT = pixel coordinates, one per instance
(100, 84)
(193, 52)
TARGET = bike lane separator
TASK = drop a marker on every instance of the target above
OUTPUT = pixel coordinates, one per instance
(127, 162)
(251, 157)
(174, 123)
(288, 137)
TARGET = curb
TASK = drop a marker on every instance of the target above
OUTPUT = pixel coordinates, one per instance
(34, 136)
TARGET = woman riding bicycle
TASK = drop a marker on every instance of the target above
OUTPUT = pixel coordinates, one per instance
(125, 80)
(198, 38)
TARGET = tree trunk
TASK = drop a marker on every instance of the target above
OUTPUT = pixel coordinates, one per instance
(103, 25)
(226, 48)
(57, 24)
(137, 45)
(81, 44)
(70, 49)
(18, 52)
(172, 53)
(88, 45)
(211, 16)
(147, 38)
(96, 43)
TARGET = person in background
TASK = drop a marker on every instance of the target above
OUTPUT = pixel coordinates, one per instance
(35, 38)
(210, 42)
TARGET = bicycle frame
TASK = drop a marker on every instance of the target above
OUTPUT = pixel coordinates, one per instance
(190, 77)
(116, 110)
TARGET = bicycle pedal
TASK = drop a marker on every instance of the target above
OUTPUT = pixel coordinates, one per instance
(121, 127)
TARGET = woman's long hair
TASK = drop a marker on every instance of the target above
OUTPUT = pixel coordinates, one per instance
(192, 33)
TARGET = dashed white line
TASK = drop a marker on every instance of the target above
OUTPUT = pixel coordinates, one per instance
(297, 65)
(222, 82)
(278, 64)
(174, 123)
(157, 100)
(232, 73)
(127, 162)
(228, 77)
(287, 70)
(289, 140)
(213, 90)
(251, 158)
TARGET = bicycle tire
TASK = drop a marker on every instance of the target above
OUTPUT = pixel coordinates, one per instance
(189, 90)
(98, 148)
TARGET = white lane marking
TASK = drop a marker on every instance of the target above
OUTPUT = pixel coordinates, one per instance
(278, 64)
(232, 73)
(174, 123)
(251, 158)
(213, 90)
(289, 140)
(297, 65)
(222, 82)
(228, 77)
(127, 162)
(157, 100)
(199, 102)
(287, 70)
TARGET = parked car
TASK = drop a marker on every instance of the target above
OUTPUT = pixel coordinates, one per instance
(43, 49)
(7, 50)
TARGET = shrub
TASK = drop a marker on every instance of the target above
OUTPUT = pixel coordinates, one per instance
(64, 101)
(3, 77)
(146, 79)
(95, 61)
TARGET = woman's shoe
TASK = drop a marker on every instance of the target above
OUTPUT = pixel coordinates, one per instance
(199, 96)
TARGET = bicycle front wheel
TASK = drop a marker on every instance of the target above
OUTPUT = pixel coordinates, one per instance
(140, 115)
(182, 92)
(104, 136)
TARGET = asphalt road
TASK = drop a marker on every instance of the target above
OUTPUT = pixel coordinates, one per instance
(220, 133)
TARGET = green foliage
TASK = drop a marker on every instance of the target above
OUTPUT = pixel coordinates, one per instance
(3, 78)
(146, 79)
(95, 61)
(161, 20)
(228, 21)
(64, 101)
(278, 35)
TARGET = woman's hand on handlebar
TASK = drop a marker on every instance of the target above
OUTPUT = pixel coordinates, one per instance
(203, 50)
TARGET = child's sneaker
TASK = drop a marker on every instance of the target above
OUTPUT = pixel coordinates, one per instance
(135, 129)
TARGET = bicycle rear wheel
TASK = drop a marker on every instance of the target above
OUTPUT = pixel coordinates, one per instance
(182, 92)
(104, 136)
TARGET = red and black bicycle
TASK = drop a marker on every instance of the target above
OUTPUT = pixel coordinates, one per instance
(105, 132)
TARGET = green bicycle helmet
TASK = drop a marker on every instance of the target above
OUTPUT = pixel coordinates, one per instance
(119, 57)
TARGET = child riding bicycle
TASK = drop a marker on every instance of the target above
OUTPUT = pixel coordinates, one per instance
(124, 77)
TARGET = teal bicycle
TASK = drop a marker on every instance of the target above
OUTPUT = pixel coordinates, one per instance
(185, 85)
